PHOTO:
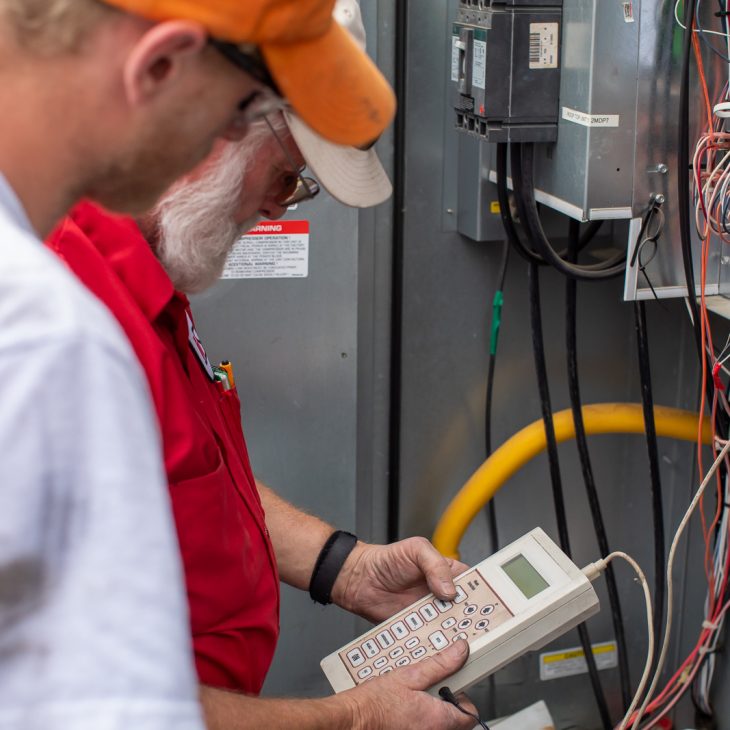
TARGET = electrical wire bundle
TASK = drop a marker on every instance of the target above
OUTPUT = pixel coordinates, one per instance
(710, 196)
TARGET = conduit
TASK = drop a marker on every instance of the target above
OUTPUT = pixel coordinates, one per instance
(599, 418)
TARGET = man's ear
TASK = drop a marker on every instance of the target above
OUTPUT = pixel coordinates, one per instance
(157, 58)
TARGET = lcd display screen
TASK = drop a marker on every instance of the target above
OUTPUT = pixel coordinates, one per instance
(524, 576)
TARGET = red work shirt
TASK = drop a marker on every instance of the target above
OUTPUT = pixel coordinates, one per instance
(230, 568)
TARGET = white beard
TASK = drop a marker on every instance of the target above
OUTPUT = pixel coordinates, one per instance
(195, 225)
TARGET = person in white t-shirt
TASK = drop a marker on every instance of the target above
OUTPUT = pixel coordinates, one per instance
(97, 101)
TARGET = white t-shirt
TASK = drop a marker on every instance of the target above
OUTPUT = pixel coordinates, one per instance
(93, 619)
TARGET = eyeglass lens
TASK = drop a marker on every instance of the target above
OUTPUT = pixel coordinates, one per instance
(304, 188)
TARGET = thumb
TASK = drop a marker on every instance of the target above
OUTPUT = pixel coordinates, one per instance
(436, 668)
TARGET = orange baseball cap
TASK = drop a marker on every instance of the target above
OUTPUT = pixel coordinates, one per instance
(328, 80)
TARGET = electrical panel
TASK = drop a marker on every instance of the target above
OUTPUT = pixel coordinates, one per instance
(505, 69)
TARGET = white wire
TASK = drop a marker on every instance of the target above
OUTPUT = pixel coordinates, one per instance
(696, 30)
(670, 586)
(707, 671)
(649, 630)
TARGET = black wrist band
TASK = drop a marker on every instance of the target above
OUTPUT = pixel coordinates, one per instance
(329, 564)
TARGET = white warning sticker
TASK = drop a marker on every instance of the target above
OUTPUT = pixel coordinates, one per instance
(544, 45)
(568, 662)
(479, 64)
(590, 120)
(271, 250)
(454, 57)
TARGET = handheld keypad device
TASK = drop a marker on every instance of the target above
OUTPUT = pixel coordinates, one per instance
(516, 600)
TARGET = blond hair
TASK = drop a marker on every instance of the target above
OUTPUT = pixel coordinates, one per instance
(51, 27)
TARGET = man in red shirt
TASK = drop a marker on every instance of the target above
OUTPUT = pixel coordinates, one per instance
(238, 537)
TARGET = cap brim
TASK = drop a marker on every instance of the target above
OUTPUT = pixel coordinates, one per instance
(352, 176)
(333, 86)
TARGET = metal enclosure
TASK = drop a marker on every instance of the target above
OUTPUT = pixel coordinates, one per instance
(312, 359)
(448, 282)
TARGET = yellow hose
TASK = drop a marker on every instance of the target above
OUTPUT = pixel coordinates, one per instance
(530, 441)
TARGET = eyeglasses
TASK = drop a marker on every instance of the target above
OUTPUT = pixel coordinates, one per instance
(295, 187)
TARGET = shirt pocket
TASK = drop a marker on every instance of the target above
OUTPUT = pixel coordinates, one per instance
(220, 544)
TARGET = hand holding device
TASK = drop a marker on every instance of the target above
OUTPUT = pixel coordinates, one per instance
(396, 701)
(516, 600)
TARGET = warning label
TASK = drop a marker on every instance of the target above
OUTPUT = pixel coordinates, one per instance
(271, 250)
(569, 662)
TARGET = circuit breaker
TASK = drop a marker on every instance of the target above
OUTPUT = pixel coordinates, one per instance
(505, 69)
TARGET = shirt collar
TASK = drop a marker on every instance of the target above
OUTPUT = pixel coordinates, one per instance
(10, 203)
(119, 240)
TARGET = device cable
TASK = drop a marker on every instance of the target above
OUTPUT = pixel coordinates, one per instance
(657, 501)
(587, 469)
(447, 695)
(538, 346)
(591, 572)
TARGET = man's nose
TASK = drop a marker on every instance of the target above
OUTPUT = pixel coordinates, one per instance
(271, 210)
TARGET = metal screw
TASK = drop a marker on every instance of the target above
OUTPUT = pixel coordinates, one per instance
(659, 197)
(662, 168)
(450, 211)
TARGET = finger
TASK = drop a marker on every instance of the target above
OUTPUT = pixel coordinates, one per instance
(466, 703)
(456, 719)
(435, 568)
(436, 668)
(457, 567)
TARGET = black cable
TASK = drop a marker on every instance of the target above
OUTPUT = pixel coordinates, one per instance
(505, 213)
(493, 342)
(555, 478)
(448, 696)
(587, 469)
(508, 223)
(524, 190)
(657, 501)
(494, 328)
(396, 314)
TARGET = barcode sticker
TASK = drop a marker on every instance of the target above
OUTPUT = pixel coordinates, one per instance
(544, 45)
